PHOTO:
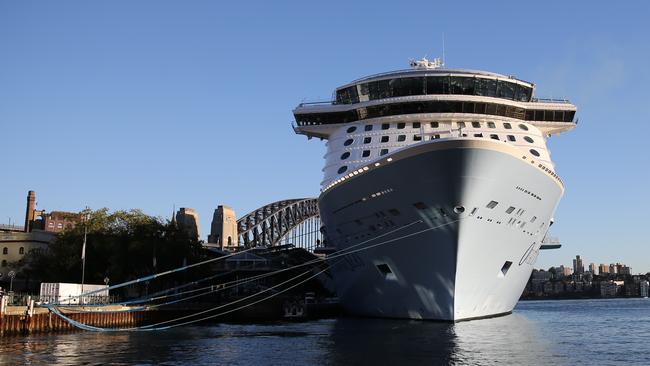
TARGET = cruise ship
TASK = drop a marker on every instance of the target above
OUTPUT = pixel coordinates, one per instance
(438, 189)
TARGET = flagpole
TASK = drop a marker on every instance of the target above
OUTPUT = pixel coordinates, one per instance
(83, 253)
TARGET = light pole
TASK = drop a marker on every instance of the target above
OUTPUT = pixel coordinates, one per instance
(11, 275)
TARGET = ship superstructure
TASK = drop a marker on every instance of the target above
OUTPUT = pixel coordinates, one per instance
(449, 165)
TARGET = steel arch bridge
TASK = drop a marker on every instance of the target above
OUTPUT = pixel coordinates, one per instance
(293, 221)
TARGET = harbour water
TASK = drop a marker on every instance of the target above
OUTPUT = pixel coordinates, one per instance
(606, 332)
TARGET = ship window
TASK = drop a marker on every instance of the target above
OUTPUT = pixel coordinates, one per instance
(434, 124)
(523, 127)
(368, 128)
(492, 204)
(383, 152)
(478, 135)
(494, 137)
(420, 206)
(365, 153)
(460, 124)
(401, 125)
(384, 269)
(511, 138)
(532, 220)
(401, 138)
(534, 152)
(348, 142)
(345, 155)
(476, 124)
(505, 90)
(394, 212)
(367, 140)
(506, 267)
(491, 125)
(507, 126)
(436, 136)
(385, 126)
(5, 250)
(510, 209)
(528, 139)
(416, 124)
(342, 169)
(352, 129)
(384, 139)
(417, 137)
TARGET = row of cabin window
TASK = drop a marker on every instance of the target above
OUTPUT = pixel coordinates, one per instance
(402, 138)
(5, 250)
(402, 125)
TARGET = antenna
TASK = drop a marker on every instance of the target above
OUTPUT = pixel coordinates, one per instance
(443, 49)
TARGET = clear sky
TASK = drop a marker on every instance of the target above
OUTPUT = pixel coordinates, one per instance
(147, 104)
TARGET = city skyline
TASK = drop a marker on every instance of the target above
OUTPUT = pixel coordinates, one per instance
(155, 104)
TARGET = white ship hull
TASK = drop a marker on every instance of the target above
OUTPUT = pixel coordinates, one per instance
(424, 258)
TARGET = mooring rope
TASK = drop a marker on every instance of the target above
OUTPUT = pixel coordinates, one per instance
(338, 254)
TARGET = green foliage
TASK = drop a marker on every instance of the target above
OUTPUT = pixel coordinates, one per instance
(120, 245)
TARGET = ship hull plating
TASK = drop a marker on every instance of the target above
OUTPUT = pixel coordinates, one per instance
(446, 230)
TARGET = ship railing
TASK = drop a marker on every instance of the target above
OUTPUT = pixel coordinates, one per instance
(318, 102)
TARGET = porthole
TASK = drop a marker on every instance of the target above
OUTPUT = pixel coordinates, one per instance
(345, 155)
(384, 139)
(534, 152)
(383, 152)
(348, 142)
(401, 138)
(476, 124)
(459, 209)
(511, 138)
(352, 129)
(343, 169)
(523, 127)
(528, 139)
(491, 125)
(416, 124)
(494, 137)
(385, 126)
(368, 128)
(460, 124)
(401, 125)
(507, 126)
(365, 153)
(367, 140)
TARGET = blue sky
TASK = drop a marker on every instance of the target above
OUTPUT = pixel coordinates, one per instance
(147, 104)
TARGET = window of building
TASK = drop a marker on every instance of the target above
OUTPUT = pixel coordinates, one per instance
(385, 126)
(348, 142)
(368, 128)
(417, 137)
(383, 152)
(5, 250)
(435, 124)
(511, 138)
(491, 125)
(342, 169)
(523, 127)
(478, 135)
(367, 140)
(494, 137)
(534, 152)
(507, 126)
(4, 263)
(492, 204)
(528, 139)
(21, 250)
(345, 155)
(365, 153)
(352, 129)
(401, 138)
(384, 139)
(401, 125)
(461, 124)
(476, 124)
(416, 124)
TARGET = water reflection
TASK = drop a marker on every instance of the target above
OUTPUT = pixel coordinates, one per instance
(347, 341)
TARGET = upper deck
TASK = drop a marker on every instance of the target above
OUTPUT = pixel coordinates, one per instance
(426, 90)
